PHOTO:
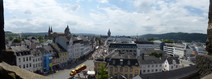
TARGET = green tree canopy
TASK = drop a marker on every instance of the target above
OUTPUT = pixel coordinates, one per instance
(99, 40)
(11, 38)
(16, 41)
(156, 54)
(102, 73)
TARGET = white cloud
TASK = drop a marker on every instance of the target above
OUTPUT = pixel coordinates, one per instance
(103, 1)
(152, 16)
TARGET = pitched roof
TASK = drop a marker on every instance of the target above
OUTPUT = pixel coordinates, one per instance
(116, 58)
(120, 45)
(171, 59)
(143, 42)
(150, 60)
(174, 74)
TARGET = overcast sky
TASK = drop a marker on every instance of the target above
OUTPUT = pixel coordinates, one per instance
(122, 17)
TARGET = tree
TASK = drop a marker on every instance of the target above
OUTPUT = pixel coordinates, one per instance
(168, 41)
(156, 54)
(74, 35)
(102, 73)
(40, 37)
(99, 40)
(11, 38)
(16, 40)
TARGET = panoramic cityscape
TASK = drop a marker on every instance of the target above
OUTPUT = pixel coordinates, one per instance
(105, 39)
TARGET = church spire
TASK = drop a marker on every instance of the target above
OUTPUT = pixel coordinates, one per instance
(67, 31)
(108, 33)
(51, 29)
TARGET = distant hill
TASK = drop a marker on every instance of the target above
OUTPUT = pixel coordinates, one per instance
(189, 37)
(33, 34)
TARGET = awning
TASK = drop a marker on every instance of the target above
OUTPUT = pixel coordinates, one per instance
(91, 72)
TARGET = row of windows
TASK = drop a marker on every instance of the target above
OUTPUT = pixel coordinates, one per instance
(130, 76)
(153, 70)
(30, 65)
(25, 65)
(37, 65)
(172, 66)
(24, 59)
(129, 50)
(37, 59)
(154, 65)
(121, 69)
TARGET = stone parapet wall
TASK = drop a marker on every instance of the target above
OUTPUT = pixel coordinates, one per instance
(13, 72)
(204, 64)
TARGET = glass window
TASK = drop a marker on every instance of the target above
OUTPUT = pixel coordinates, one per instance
(23, 59)
(148, 66)
(156, 65)
(26, 58)
(116, 69)
(29, 64)
(19, 59)
(29, 58)
(136, 72)
(131, 69)
(111, 69)
(121, 69)
(126, 69)
(24, 66)
(152, 70)
(176, 66)
(147, 70)
(144, 71)
(152, 65)
(20, 66)
(156, 70)
(171, 67)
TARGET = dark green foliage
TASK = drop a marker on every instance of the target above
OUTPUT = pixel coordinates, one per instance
(189, 37)
(156, 54)
(102, 73)
(11, 38)
(74, 35)
(99, 40)
(168, 41)
(40, 37)
(16, 41)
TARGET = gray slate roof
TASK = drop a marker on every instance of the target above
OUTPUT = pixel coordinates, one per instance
(150, 60)
(174, 74)
(170, 60)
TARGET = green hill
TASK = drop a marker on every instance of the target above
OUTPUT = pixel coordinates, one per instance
(197, 37)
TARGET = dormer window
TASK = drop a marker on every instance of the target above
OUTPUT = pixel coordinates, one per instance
(113, 61)
(128, 62)
(121, 61)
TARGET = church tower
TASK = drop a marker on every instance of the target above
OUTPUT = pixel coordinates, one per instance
(49, 32)
(67, 31)
(108, 33)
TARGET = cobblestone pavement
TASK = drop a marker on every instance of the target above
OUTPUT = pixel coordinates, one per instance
(64, 74)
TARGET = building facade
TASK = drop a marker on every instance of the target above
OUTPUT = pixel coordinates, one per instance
(171, 63)
(122, 65)
(150, 64)
(23, 57)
